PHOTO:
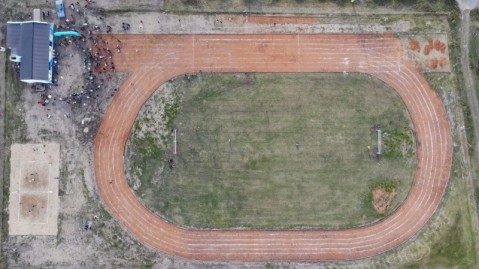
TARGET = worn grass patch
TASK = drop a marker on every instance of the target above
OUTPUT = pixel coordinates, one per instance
(270, 150)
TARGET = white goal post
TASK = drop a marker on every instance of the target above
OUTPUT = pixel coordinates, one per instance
(174, 145)
(379, 142)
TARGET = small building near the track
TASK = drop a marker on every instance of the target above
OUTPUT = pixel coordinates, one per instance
(31, 45)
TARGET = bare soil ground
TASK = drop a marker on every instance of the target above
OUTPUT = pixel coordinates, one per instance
(382, 199)
(34, 174)
(33, 208)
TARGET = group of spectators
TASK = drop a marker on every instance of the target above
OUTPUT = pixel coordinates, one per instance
(96, 52)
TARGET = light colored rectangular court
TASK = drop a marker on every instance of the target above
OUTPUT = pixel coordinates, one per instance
(33, 201)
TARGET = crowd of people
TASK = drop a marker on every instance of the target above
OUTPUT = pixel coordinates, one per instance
(97, 52)
(97, 56)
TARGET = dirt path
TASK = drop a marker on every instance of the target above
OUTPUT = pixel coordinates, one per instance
(469, 84)
(468, 79)
(3, 98)
(154, 59)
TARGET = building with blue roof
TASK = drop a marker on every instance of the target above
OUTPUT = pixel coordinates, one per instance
(31, 45)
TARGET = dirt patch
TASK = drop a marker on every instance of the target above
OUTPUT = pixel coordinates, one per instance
(429, 50)
(433, 63)
(34, 176)
(33, 201)
(382, 199)
(414, 45)
(439, 46)
(33, 208)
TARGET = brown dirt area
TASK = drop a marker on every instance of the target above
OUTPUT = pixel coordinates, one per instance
(34, 176)
(382, 199)
(33, 208)
(430, 51)
(33, 201)
(414, 45)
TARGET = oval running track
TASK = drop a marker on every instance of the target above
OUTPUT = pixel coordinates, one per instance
(151, 60)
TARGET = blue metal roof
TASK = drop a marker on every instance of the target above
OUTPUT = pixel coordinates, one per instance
(31, 41)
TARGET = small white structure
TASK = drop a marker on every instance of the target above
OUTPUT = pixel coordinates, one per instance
(174, 145)
(379, 142)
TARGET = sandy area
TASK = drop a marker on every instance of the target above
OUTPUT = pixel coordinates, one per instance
(34, 175)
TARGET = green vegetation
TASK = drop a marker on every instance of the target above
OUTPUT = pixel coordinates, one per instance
(147, 264)
(60, 238)
(421, 5)
(171, 109)
(449, 240)
(474, 46)
(15, 132)
(456, 244)
(397, 143)
(104, 215)
(113, 235)
(302, 6)
(388, 185)
(147, 160)
(146, 147)
(14, 120)
(474, 61)
(451, 250)
(270, 150)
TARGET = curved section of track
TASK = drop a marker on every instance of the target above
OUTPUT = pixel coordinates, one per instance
(154, 59)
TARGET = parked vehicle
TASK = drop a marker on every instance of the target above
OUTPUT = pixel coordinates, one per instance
(60, 8)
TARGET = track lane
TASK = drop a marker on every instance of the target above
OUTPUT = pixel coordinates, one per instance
(160, 58)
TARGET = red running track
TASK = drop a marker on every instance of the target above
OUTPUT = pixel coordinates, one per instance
(162, 57)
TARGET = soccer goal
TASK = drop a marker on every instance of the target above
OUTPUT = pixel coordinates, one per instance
(378, 153)
(175, 145)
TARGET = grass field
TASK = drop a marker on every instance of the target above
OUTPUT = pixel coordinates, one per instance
(270, 150)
